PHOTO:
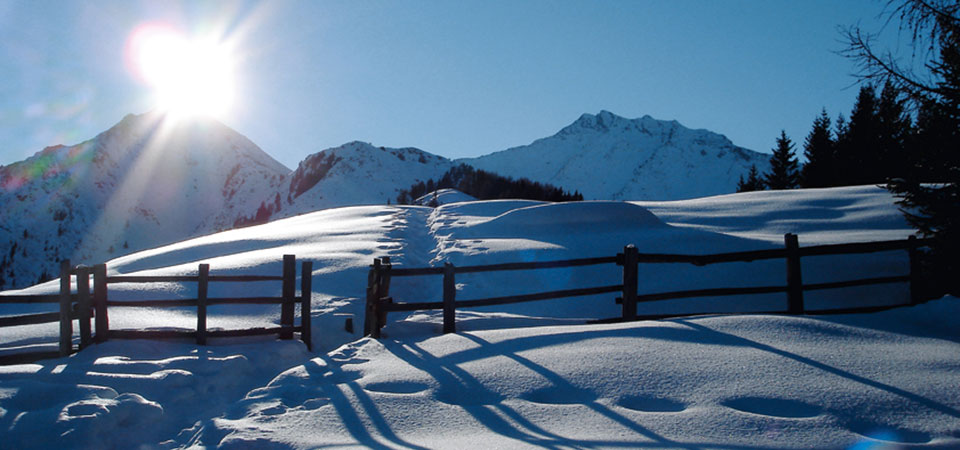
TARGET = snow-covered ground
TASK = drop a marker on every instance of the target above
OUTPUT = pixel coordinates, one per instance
(517, 375)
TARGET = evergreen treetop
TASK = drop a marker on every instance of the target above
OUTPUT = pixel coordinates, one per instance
(818, 149)
(784, 170)
(752, 183)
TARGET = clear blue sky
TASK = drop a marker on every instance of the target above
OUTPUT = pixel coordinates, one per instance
(456, 78)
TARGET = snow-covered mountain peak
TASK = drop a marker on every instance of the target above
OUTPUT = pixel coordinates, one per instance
(606, 156)
(145, 181)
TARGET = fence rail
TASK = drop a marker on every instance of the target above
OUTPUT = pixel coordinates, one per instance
(379, 302)
(88, 305)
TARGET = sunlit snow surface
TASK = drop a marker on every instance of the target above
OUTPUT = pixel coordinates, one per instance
(748, 381)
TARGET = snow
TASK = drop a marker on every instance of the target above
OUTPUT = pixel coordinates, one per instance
(143, 183)
(515, 376)
(146, 182)
(608, 157)
(443, 197)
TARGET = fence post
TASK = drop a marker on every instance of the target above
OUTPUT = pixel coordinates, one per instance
(203, 280)
(449, 299)
(83, 304)
(794, 279)
(66, 313)
(915, 268)
(630, 279)
(101, 320)
(289, 294)
(306, 294)
(371, 325)
(383, 289)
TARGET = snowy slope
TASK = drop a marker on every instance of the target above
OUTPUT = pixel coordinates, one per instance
(356, 173)
(443, 197)
(605, 156)
(145, 182)
(142, 183)
(711, 382)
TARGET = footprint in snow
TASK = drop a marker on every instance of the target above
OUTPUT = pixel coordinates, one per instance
(397, 387)
(315, 403)
(774, 407)
(651, 404)
(884, 433)
(560, 396)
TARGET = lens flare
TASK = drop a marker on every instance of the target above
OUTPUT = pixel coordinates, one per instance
(188, 76)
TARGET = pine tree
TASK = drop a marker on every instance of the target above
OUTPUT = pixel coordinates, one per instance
(895, 128)
(784, 173)
(933, 30)
(856, 153)
(752, 183)
(818, 148)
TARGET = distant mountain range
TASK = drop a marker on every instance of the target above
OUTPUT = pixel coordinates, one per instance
(145, 182)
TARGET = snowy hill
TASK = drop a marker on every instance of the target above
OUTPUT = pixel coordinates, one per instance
(608, 157)
(356, 173)
(749, 381)
(142, 183)
(443, 197)
(146, 182)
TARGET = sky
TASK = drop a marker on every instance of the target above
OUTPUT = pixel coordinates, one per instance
(458, 79)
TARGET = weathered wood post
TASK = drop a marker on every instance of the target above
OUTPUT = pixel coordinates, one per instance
(83, 305)
(371, 325)
(630, 279)
(449, 298)
(306, 295)
(915, 268)
(289, 294)
(794, 279)
(383, 290)
(203, 280)
(101, 320)
(66, 313)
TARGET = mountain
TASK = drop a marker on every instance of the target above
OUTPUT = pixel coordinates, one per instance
(356, 173)
(605, 156)
(144, 182)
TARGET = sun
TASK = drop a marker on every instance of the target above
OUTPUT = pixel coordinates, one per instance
(189, 77)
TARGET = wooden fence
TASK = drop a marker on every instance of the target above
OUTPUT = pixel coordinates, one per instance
(87, 304)
(379, 302)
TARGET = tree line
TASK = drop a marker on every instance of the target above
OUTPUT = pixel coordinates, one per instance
(484, 185)
(884, 140)
(905, 137)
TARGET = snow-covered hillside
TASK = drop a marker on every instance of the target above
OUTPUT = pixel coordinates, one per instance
(144, 182)
(147, 182)
(356, 173)
(608, 157)
(746, 381)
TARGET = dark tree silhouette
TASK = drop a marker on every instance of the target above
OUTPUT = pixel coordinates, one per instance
(486, 186)
(819, 149)
(856, 151)
(930, 79)
(784, 173)
(752, 183)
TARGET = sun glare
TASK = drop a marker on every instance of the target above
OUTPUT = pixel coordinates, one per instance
(188, 76)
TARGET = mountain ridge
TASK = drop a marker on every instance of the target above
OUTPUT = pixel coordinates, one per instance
(635, 159)
(146, 182)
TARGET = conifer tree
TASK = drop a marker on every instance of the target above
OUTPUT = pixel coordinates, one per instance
(930, 196)
(752, 183)
(784, 173)
(820, 169)
(857, 152)
(895, 128)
